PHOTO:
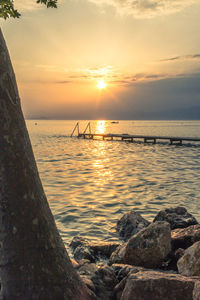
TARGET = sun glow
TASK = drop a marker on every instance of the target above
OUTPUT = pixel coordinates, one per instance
(101, 84)
(100, 127)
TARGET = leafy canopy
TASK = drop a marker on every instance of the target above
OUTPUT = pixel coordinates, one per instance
(7, 8)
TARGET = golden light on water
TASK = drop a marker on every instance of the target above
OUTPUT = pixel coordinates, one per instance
(101, 84)
(100, 127)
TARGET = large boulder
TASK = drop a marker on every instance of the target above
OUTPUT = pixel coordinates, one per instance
(185, 237)
(148, 248)
(146, 285)
(189, 263)
(177, 217)
(130, 224)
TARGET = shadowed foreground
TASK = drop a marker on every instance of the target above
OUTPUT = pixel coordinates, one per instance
(33, 261)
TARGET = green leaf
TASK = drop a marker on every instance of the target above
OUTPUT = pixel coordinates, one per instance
(7, 9)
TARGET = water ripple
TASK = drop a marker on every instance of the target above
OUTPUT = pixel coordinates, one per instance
(90, 184)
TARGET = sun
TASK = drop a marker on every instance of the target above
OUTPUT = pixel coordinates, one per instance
(101, 84)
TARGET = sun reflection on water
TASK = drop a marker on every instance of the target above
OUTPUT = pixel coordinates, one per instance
(100, 127)
(101, 161)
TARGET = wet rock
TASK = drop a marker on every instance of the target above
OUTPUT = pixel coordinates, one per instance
(78, 241)
(148, 248)
(83, 252)
(189, 263)
(146, 285)
(83, 249)
(117, 257)
(185, 237)
(130, 224)
(177, 217)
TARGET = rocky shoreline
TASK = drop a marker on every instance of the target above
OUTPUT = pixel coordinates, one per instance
(152, 261)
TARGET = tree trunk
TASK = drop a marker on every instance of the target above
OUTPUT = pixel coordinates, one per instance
(33, 261)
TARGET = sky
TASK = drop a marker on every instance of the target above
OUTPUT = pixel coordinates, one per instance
(107, 59)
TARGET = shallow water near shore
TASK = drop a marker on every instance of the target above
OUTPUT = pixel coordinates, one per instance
(90, 184)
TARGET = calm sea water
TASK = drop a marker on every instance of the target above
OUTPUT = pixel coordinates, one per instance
(91, 184)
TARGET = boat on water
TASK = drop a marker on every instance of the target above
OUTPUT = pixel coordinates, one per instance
(114, 122)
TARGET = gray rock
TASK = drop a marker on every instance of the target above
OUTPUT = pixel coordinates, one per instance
(177, 217)
(189, 263)
(185, 237)
(146, 285)
(148, 248)
(130, 224)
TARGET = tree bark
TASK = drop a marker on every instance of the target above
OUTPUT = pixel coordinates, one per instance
(33, 261)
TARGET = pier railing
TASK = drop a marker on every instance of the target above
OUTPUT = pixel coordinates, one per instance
(76, 127)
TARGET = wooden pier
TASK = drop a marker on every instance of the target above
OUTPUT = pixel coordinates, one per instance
(130, 137)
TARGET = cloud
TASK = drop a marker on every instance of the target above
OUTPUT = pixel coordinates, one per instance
(169, 99)
(183, 57)
(147, 8)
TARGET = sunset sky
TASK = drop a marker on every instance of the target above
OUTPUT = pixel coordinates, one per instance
(144, 53)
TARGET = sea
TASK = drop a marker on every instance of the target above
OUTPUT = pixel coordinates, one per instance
(90, 184)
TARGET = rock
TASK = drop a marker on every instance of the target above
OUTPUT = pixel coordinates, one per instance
(130, 224)
(170, 262)
(196, 291)
(83, 252)
(148, 248)
(177, 217)
(185, 237)
(88, 283)
(74, 263)
(189, 263)
(118, 290)
(101, 280)
(103, 249)
(83, 249)
(105, 281)
(78, 241)
(146, 285)
(123, 270)
(86, 268)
